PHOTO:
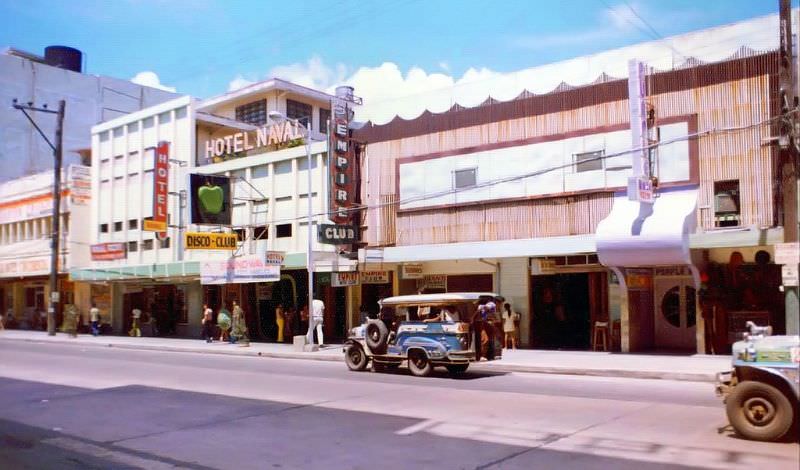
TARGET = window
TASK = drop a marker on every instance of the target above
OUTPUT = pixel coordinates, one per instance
(133, 224)
(164, 243)
(261, 233)
(103, 228)
(241, 234)
(147, 245)
(726, 203)
(324, 117)
(253, 113)
(132, 247)
(464, 178)
(283, 230)
(299, 111)
(588, 161)
(117, 226)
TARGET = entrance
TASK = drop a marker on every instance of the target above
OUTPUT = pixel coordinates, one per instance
(561, 311)
(676, 315)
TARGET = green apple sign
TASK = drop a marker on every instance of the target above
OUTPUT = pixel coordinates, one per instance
(211, 198)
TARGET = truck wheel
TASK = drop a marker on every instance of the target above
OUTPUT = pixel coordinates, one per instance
(419, 364)
(455, 369)
(355, 358)
(377, 336)
(759, 411)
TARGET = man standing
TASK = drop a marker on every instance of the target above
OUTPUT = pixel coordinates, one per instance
(208, 334)
(315, 321)
(239, 329)
(94, 317)
(135, 329)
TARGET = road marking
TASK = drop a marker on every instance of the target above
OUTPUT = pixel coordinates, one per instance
(415, 428)
(92, 450)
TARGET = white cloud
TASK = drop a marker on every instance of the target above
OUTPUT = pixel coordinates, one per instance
(148, 78)
(239, 82)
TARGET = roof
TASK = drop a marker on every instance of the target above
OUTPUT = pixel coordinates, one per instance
(262, 87)
(436, 298)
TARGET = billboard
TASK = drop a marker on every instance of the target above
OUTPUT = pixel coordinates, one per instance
(108, 251)
(244, 269)
(210, 199)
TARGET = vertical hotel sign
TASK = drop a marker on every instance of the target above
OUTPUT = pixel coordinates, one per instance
(158, 223)
(342, 168)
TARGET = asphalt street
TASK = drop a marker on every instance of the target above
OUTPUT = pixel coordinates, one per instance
(65, 406)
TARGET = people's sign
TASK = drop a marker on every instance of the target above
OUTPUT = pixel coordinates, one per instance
(244, 269)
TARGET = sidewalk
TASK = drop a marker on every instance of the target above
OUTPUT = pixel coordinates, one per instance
(700, 368)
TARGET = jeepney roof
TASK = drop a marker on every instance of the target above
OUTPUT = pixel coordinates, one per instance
(431, 299)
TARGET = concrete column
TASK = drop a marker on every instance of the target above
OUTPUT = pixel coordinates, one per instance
(514, 280)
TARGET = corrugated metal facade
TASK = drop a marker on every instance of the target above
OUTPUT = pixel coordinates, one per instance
(731, 94)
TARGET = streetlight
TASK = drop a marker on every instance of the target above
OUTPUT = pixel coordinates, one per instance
(278, 117)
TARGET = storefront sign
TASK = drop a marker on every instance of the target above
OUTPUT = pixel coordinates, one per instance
(210, 241)
(787, 253)
(411, 271)
(435, 281)
(543, 266)
(107, 251)
(80, 188)
(342, 168)
(273, 134)
(337, 234)
(210, 200)
(639, 279)
(374, 277)
(789, 275)
(158, 222)
(23, 267)
(251, 268)
(672, 271)
(345, 279)
(274, 258)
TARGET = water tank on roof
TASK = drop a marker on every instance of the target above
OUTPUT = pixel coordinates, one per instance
(64, 57)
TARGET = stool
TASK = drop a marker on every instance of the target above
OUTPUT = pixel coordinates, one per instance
(600, 328)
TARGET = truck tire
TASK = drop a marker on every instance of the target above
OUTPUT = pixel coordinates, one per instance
(419, 364)
(759, 411)
(355, 358)
(376, 336)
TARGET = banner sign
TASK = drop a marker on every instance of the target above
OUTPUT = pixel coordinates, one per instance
(274, 258)
(337, 234)
(342, 167)
(374, 277)
(107, 251)
(158, 223)
(210, 200)
(244, 269)
(26, 266)
(80, 185)
(411, 271)
(210, 241)
(345, 279)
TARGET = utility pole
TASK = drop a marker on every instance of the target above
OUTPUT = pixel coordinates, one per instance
(58, 150)
(788, 151)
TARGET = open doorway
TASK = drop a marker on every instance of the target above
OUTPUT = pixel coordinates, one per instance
(561, 311)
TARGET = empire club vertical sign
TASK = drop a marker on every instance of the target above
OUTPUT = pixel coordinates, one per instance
(158, 223)
(342, 165)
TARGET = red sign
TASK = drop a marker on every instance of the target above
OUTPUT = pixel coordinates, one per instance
(158, 222)
(108, 251)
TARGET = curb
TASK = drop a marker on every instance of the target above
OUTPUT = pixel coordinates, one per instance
(487, 366)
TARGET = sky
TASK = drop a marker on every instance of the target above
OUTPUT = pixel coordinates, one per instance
(400, 47)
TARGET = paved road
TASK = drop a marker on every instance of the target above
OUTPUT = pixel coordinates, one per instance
(93, 407)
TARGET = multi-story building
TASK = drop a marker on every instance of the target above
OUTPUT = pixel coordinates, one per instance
(527, 198)
(231, 136)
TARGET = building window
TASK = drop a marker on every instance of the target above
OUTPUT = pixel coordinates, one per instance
(241, 234)
(253, 113)
(103, 228)
(466, 178)
(324, 117)
(588, 161)
(726, 204)
(132, 247)
(147, 245)
(163, 243)
(133, 224)
(283, 230)
(261, 233)
(299, 111)
(117, 226)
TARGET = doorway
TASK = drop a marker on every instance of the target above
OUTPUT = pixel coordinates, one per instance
(561, 311)
(676, 315)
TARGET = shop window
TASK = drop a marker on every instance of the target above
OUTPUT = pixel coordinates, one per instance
(726, 203)
(588, 161)
(283, 230)
(103, 228)
(117, 226)
(466, 178)
(147, 245)
(164, 243)
(133, 224)
(299, 111)
(324, 117)
(253, 113)
(261, 233)
(133, 247)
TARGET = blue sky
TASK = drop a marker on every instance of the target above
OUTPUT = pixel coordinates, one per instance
(204, 47)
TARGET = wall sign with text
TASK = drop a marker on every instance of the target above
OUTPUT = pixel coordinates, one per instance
(158, 222)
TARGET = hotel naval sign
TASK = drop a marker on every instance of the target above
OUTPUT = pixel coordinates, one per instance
(273, 134)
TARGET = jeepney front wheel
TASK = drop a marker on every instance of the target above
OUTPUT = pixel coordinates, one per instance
(355, 358)
(759, 411)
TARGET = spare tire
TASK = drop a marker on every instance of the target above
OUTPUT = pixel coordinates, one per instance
(377, 336)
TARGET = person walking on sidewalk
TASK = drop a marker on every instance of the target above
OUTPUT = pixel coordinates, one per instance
(208, 333)
(280, 321)
(510, 319)
(239, 330)
(94, 317)
(315, 321)
(135, 330)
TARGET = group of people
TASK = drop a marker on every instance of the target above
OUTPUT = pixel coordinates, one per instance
(484, 320)
(286, 319)
(232, 327)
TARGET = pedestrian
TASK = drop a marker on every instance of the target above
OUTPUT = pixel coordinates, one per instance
(2, 325)
(363, 314)
(280, 321)
(315, 321)
(94, 317)
(510, 319)
(71, 318)
(208, 333)
(136, 315)
(239, 329)
(291, 320)
(224, 324)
